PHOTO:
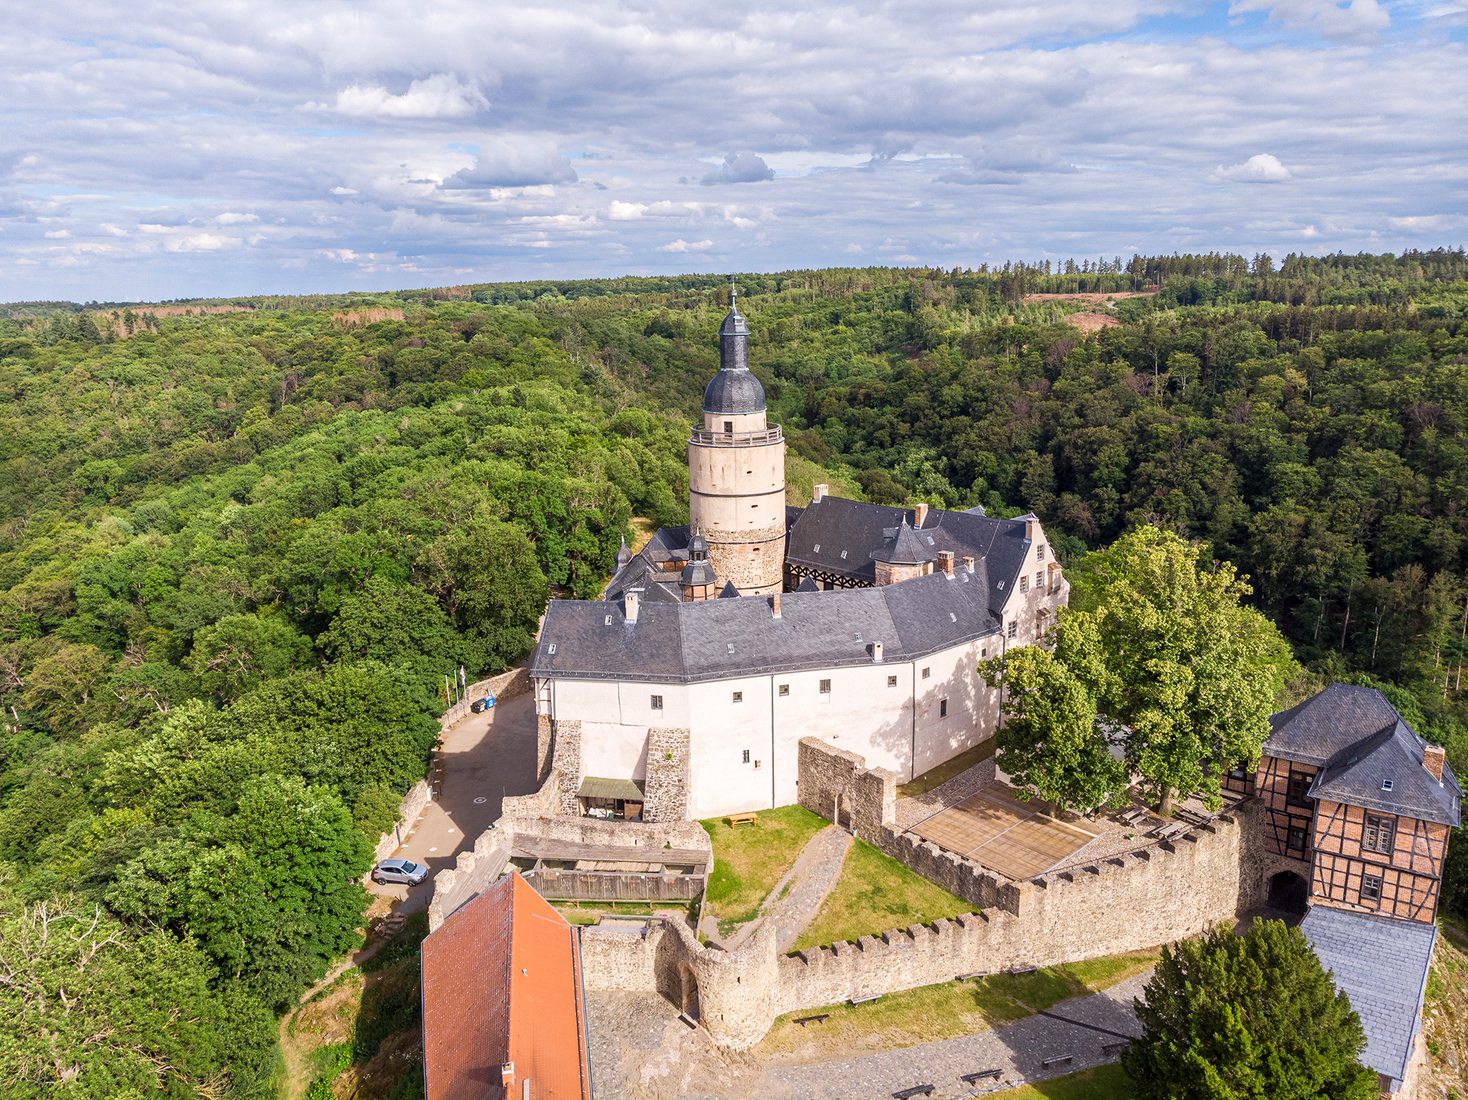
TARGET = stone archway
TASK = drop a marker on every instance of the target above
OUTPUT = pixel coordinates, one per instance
(1289, 892)
(687, 991)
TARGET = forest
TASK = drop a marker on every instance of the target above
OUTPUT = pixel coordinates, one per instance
(243, 542)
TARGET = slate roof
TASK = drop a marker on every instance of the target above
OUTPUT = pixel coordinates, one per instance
(902, 546)
(1358, 741)
(1316, 730)
(827, 527)
(1381, 966)
(502, 983)
(734, 389)
(725, 638)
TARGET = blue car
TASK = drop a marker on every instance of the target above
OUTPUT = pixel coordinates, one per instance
(482, 704)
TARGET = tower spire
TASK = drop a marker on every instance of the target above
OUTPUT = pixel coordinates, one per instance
(733, 294)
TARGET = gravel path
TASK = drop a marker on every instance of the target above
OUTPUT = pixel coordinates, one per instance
(812, 874)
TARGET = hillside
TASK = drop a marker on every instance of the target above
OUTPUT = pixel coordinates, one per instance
(243, 542)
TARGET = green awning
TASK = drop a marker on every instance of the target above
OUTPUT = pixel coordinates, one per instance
(629, 790)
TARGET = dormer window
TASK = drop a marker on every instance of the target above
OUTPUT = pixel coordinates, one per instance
(1386, 784)
(818, 548)
(551, 649)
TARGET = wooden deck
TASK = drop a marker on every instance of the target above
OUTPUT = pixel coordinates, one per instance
(1017, 839)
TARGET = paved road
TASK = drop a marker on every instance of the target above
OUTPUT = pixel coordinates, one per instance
(486, 757)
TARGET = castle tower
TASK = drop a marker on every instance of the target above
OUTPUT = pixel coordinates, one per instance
(736, 472)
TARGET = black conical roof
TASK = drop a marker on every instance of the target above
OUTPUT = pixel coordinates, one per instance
(734, 390)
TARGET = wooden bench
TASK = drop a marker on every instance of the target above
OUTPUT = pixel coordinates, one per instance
(813, 1019)
(742, 819)
(981, 1075)
(916, 1090)
(870, 997)
(1057, 1060)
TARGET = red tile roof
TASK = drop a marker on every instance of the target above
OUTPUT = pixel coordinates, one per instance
(502, 984)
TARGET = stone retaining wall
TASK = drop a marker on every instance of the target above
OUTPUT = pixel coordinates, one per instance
(413, 804)
(504, 685)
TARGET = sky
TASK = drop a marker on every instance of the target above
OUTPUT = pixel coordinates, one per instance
(229, 147)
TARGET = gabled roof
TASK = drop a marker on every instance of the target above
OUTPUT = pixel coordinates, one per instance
(502, 983)
(1318, 729)
(1381, 966)
(724, 638)
(1366, 754)
(1385, 772)
(829, 526)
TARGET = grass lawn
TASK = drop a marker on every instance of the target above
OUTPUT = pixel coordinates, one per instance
(588, 912)
(873, 894)
(946, 770)
(750, 859)
(953, 1008)
(1102, 1083)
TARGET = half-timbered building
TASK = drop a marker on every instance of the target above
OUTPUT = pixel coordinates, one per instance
(1359, 802)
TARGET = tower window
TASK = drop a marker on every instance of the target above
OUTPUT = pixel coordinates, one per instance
(728, 425)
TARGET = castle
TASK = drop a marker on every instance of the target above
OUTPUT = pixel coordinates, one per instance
(685, 690)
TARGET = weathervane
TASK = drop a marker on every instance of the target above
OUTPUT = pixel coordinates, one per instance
(733, 295)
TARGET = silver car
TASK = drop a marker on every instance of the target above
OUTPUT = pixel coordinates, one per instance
(399, 870)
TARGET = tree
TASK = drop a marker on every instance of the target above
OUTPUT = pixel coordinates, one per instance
(397, 624)
(240, 652)
(1191, 673)
(1251, 1017)
(1051, 744)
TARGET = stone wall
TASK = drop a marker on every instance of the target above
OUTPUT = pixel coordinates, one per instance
(470, 875)
(961, 877)
(838, 786)
(1167, 893)
(566, 764)
(413, 804)
(505, 685)
(668, 775)
(545, 746)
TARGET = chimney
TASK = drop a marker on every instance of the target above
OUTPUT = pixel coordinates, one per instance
(1030, 528)
(630, 600)
(877, 652)
(1432, 760)
(919, 513)
(775, 606)
(968, 562)
(945, 561)
(507, 1076)
(819, 494)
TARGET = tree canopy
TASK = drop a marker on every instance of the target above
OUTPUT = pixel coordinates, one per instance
(1247, 1017)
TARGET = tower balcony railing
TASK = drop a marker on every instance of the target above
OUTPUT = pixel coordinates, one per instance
(703, 438)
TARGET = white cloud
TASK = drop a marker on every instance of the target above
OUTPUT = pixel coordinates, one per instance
(231, 218)
(203, 242)
(1260, 168)
(680, 245)
(513, 163)
(1347, 20)
(58, 234)
(626, 211)
(439, 96)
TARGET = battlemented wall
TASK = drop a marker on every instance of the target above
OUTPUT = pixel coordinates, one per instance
(668, 775)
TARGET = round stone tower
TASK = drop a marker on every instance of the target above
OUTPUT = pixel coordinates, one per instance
(736, 472)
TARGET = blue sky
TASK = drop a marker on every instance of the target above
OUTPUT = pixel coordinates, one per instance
(258, 146)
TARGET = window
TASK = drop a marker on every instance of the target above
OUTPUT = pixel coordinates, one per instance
(746, 756)
(927, 672)
(1014, 628)
(843, 555)
(1039, 579)
(784, 690)
(942, 708)
(891, 681)
(739, 697)
(1024, 584)
(728, 425)
(984, 653)
(1380, 832)
(1371, 887)
(1296, 840)
(825, 687)
(1298, 793)
(1040, 552)
(657, 702)
(817, 548)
